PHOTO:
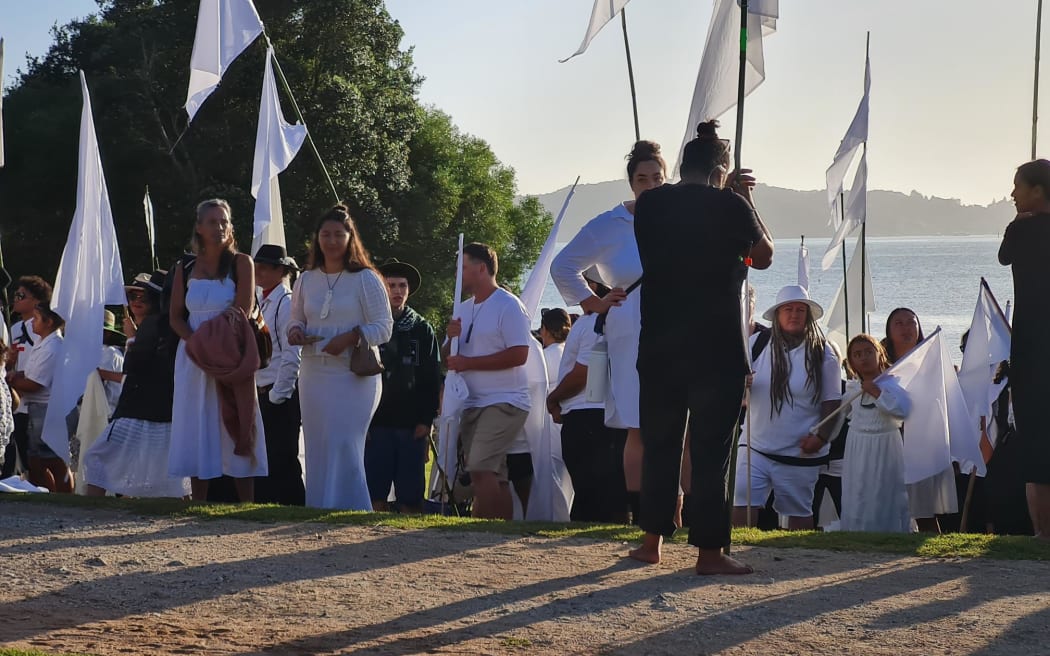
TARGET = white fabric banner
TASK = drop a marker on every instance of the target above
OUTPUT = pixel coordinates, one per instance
(224, 29)
(987, 345)
(90, 277)
(803, 267)
(147, 207)
(716, 82)
(455, 395)
(276, 144)
(856, 212)
(551, 495)
(838, 313)
(939, 429)
(532, 293)
(602, 12)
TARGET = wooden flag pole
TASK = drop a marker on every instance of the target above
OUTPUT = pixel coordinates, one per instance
(630, 74)
(741, 80)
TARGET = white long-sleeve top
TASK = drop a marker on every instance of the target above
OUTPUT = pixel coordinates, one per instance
(359, 300)
(283, 371)
(606, 242)
(885, 414)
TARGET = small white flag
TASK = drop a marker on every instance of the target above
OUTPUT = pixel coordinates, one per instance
(602, 12)
(534, 286)
(276, 144)
(716, 82)
(803, 267)
(844, 322)
(224, 29)
(939, 430)
(90, 277)
(987, 345)
(147, 207)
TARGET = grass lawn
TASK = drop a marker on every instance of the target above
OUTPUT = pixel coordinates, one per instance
(953, 545)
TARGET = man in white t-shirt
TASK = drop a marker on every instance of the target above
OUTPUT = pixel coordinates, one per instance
(493, 349)
(30, 291)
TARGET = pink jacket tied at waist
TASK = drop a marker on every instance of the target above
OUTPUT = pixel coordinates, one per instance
(224, 348)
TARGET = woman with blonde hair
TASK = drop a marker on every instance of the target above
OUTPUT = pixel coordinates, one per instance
(339, 306)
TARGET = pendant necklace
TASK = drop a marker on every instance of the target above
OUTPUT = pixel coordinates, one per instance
(326, 307)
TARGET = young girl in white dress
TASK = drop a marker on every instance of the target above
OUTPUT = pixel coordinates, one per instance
(607, 242)
(201, 447)
(339, 302)
(874, 497)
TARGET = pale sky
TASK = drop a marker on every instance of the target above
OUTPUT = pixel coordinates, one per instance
(951, 85)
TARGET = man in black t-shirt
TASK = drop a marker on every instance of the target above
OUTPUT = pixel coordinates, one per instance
(696, 240)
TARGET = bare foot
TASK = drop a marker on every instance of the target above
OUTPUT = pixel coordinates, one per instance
(649, 552)
(678, 512)
(713, 562)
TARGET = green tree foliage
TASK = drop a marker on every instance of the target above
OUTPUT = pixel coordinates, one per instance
(356, 88)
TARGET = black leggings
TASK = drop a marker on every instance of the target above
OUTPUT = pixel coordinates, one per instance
(593, 454)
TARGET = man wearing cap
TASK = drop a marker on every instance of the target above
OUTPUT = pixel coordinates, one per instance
(30, 291)
(395, 452)
(278, 382)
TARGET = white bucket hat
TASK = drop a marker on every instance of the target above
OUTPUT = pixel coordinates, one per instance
(793, 294)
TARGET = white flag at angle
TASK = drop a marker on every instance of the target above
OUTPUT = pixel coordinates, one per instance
(987, 345)
(856, 136)
(90, 277)
(839, 315)
(224, 29)
(602, 12)
(533, 290)
(939, 429)
(716, 82)
(276, 144)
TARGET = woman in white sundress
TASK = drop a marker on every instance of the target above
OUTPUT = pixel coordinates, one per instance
(201, 446)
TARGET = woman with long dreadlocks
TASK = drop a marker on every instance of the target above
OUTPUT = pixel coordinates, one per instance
(796, 383)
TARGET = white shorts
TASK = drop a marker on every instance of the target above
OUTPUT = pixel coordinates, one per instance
(792, 485)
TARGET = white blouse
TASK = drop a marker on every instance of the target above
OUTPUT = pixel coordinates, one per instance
(606, 242)
(358, 300)
(886, 414)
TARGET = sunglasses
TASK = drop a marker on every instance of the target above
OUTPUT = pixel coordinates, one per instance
(136, 296)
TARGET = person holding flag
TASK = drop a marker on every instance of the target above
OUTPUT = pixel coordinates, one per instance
(1024, 248)
(691, 355)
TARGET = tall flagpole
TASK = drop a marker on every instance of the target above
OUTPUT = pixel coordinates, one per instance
(864, 229)
(845, 272)
(630, 74)
(741, 81)
(1035, 96)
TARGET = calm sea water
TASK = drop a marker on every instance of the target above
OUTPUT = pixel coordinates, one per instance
(938, 277)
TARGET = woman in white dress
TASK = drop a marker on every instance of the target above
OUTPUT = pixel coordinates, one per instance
(935, 495)
(874, 497)
(607, 243)
(338, 303)
(201, 447)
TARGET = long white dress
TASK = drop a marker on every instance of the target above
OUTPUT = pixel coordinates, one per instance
(200, 444)
(874, 497)
(338, 405)
(607, 242)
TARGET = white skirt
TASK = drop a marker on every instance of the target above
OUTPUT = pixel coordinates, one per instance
(200, 444)
(874, 497)
(337, 407)
(131, 458)
(622, 330)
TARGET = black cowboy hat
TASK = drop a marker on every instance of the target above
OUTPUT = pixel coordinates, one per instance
(150, 282)
(392, 268)
(275, 255)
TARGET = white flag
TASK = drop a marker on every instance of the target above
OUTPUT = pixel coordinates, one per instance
(224, 29)
(601, 14)
(856, 136)
(988, 344)
(716, 83)
(1, 103)
(276, 144)
(89, 278)
(534, 286)
(939, 430)
(147, 207)
(856, 213)
(803, 267)
(839, 314)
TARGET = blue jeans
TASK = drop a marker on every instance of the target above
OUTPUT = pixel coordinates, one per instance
(394, 455)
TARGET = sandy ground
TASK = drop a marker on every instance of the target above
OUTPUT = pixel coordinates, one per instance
(108, 583)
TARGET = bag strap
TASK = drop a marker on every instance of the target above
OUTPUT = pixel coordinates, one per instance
(276, 312)
(599, 323)
(760, 344)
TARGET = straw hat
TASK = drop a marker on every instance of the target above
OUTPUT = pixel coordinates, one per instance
(109, 325)
(793, 294)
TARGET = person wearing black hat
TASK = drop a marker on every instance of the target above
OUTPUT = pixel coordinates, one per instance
(131, 456)
(278, 383)
(395, 451)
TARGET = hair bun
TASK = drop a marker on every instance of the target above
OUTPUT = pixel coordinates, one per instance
(707, 130)
(644, 150)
